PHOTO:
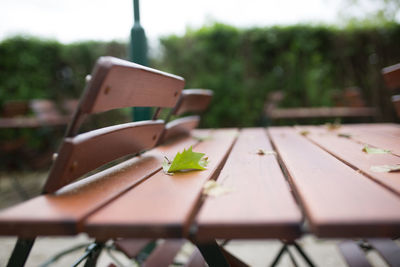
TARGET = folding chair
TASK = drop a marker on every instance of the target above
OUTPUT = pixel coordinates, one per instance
(114, 84)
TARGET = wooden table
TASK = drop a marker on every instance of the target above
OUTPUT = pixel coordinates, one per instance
(278, 181)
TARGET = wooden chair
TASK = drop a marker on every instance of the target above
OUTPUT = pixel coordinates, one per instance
(391, 76)
(114, 84)
(354, 252)
(351, 106)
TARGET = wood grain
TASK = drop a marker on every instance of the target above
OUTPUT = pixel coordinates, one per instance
(260, 205)
(338, 201)
(163, 205)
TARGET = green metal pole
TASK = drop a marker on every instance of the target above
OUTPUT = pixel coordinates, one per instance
(138, 54)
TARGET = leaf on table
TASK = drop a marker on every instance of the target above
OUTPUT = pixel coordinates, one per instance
(372, 150)
(386, 168)
(333, 126)
(344, 135)
(263, 152)
(304, 133)
(185, 161)
(202, 138)
(214, 189)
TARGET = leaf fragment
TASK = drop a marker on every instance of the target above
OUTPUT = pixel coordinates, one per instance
(202, 138)
(185, 161)
(344, 135)
(263, 152)
(372, 150)
(386, 168)
(215, 189)
(304, 133)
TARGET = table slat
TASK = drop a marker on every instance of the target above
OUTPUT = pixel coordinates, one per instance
(381, 136)
(260, 205)
(162, 206)
(338, 201)
(350, 151)
(61, 213)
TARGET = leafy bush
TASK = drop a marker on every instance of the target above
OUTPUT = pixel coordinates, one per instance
(309, 63)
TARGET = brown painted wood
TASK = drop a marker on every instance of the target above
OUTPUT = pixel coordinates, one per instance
(388, 249)
(179, 127)
(164, 254)
(162, 206)
(353, 254)
(350, 151)
(338, 201)
(391, 76)
(396, 104)
(117, 83)
(62, 213)
(86, 152)
(260, 205)
(193, 100)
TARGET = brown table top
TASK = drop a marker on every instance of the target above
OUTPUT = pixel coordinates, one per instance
(276, 180)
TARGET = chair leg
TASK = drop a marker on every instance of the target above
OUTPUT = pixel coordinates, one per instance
(303, 254)
(285, 247)
(279, 255)
(91, 255)
(21, 252)
(212, 254)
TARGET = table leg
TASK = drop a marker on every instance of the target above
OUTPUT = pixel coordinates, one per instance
(212, 254)
(21, 252)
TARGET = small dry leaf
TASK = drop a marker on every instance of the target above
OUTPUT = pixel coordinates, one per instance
(214, 189)
(372, 150)
(263, 152)
(344, 135)
(305, 133)
(386, 168)
(202, 138)
(333, 126)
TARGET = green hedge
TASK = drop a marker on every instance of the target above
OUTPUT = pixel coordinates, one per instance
(309, 63)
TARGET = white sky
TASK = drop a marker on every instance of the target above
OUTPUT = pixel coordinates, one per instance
(74, 20)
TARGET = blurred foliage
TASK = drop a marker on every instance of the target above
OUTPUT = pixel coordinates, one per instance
(32, 68)
(310, 64)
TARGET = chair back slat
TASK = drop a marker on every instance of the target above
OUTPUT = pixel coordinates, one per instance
(118, 83)
(391, 76)
(179, 127)
(86, 152)
(193, 100)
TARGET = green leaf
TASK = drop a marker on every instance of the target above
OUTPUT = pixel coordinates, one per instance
(186, 161)
(373, 150)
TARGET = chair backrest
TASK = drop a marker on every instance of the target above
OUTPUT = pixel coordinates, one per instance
(114, 83)
(193, 101)
(391, 76)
